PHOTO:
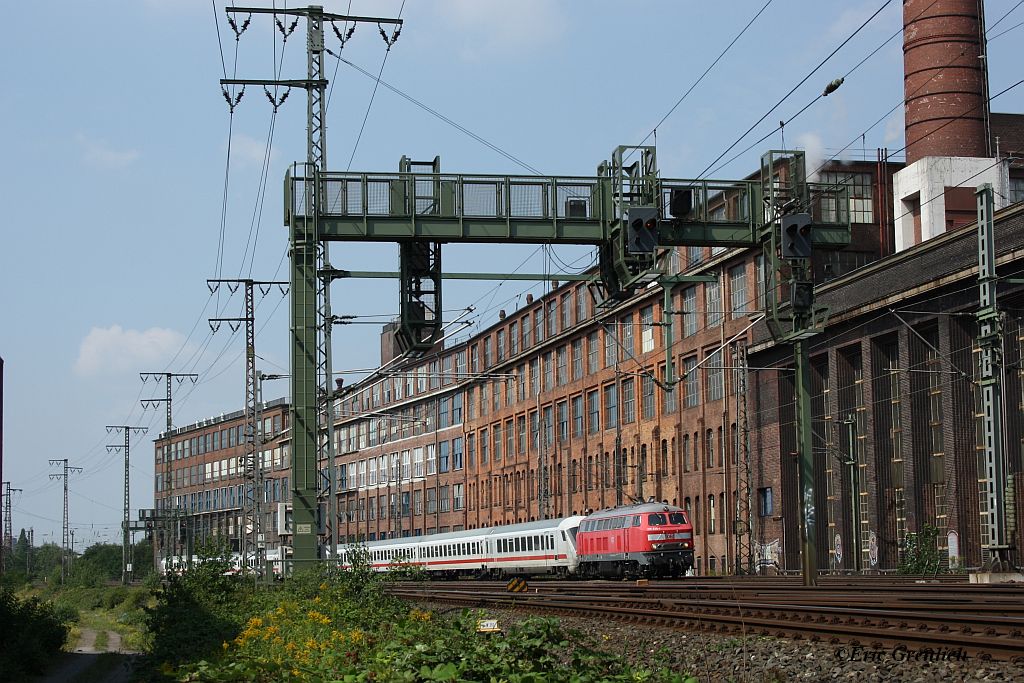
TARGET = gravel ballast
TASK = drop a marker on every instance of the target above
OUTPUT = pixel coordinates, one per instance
(717, 657)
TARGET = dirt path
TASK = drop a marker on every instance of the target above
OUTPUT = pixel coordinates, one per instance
(86, 641)
(101, 667)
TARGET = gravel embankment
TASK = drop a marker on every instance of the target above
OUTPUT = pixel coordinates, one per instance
(715, 657)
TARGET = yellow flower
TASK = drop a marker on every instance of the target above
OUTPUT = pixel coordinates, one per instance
(225, 645)
(318, 617)
(356, 636)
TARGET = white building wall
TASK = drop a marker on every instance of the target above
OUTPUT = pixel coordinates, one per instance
(926, 180)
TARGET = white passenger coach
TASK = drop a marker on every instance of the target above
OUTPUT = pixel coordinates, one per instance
(541, 547)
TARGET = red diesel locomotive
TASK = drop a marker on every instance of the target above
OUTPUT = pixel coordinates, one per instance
(647, 540)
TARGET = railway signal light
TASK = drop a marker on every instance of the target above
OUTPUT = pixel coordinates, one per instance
(680, 202)
(796, 236)
(641, 229)
(802, 295)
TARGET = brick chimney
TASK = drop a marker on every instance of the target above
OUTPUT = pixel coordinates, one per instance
(944, 87)
(944, 79)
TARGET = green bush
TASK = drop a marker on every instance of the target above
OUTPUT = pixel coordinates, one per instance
(35, 632)
(329, 624)
(921, 552)
(115, 597)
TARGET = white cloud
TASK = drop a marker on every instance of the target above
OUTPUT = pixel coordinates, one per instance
(111, 350)
(814, 152)
(894, 128)
(248, 150)
(101, 154)
(498, 28)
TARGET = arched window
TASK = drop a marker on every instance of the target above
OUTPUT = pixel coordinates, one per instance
(711, 514)
(709, 448)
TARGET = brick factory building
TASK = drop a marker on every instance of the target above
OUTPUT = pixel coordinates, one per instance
(557, 408)
(198, 474)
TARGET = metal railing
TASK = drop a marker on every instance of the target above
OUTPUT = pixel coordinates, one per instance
(454, 196)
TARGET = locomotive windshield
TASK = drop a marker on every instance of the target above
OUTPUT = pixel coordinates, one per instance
(661, 519)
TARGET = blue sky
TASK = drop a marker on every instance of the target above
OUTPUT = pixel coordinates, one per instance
(115, 146)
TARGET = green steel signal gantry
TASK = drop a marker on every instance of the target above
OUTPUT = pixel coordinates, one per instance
(627, 211)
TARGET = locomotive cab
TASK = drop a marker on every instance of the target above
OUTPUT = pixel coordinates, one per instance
(643, 540)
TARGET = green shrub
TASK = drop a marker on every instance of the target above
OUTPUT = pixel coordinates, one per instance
(921, 552)
(35, 632)
(115, 597)
(327, 624)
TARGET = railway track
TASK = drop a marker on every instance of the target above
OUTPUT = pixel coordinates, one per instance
(987, 622)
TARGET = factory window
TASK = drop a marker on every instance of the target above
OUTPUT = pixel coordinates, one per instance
(714, 391)
(647, 384)
(611, 407)
(711, 516)
(577, 358)
(713, 303)
(626, 335)
(513, 336)
(593, 412)
(860, 189)
(628, 401)
(689, 311)
(738, 290)
(577, 415)
(563, 421)
(765, 503)
(1016, 190)
(691, 382)
(669, 404)
(647, 329)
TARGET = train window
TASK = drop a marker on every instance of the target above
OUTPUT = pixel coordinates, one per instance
(656, 519)
(636, 520)
(617, 523)
(676, 518)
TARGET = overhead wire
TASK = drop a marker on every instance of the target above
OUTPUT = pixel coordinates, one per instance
(795, 87)
(703, 75)
(366, 116)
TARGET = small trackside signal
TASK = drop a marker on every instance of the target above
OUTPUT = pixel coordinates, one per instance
(796, 236)
(641, 229)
